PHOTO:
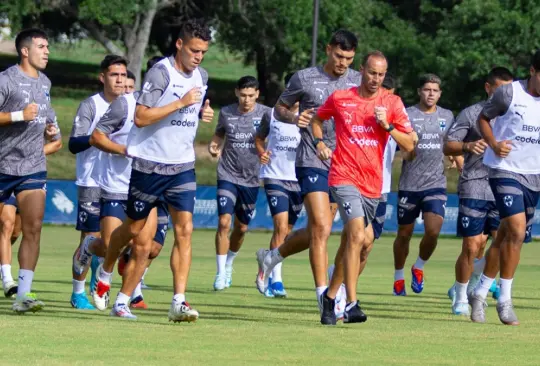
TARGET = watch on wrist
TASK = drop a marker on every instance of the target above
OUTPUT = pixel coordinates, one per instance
(390, 128)
(316, 141)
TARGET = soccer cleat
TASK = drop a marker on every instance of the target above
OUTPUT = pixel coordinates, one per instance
(144, 286)
(495, 292)
(182, 312)
(341, 302)
(328, 316)
(27, 302)
(80, 301)
(122, 311)
(478, 305)
(278, 289)
(82, 256)
(102, 292)
(262, 276)
(219, 282)
(417, 284)
(506, 313)
(472, 283)
(354, 314)
(228, 276)
(269, 292)
(138, 303)
(10, 289)
(94, 264)
(460, 308)
(452, 293)
(399, 288)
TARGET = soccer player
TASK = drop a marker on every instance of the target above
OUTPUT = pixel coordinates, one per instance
(161, 144)
(514, 177)
(311, 87)
(277, 158)
(130, 82)
(478, 216)
(113, 77)
(10, 219)
(364, 118)
(25, 111)
(422, 184)
(237, 173)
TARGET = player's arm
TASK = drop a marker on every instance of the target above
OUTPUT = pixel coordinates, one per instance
(52, 147)
(400, 128)
(260, 139)
(216, 143)
(292, 94)
(113, 120)
(79, 140)
(53, 137)
(496, 106)
(325, 112)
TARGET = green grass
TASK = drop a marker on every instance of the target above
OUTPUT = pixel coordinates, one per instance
(239, 326)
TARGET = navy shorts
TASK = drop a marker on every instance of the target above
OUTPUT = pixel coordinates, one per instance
(281, 200)
(236, 199)
(411, 204)
(113, 208)
(313, 180)
(477, 217)
(88, 215)
(178, 191)
(512, 197)
(14, 184)
(378, 222)
(163, 222)
(11, 201)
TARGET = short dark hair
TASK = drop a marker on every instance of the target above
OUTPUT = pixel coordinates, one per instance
(429, 78)
(110, 60)
(389, 82)
(499, 73)
(24, 38)
(152, 61)
(195, 28)
(377, 54)
(535, 60)
(288, 77)
(247, 82)
(131, 75)
(344, 39)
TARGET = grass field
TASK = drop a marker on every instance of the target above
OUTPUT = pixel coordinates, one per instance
(239, 326)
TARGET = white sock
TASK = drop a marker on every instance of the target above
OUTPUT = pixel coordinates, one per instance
(104, 276)
(419, 264)
(276, 273)
(320, 290)
(6, 273)
(351, 305)
(506, 290)
(221, 259)
(121, 299)
(25, 282)
(461, 292)
(137, 291)
(144, 274)
(180, 298)
(479, 266)
(78, 286)
(399, 274)
(230, 258)
(483, 286)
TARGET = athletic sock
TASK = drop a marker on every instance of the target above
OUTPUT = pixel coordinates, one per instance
(230, 258)
(221, 259)
(276, 273)
(25, 282)
(78, 286)
(461, 292)
(399, 274)
(506, 290)
(483, 286)
(419, 264)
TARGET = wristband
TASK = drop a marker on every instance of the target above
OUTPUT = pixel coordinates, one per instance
(463, 148)
(390, 128)
(17, 116)
(316, 141)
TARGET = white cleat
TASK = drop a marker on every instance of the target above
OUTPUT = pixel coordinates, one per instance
(264, 272)
(122, 311)
(102, 292)
(182, 312)
(27, 302)
(10, 289)
(219, 283)
(461, 308)
(228, 276)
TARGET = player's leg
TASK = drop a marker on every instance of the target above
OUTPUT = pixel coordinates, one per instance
(17, 228)
(227, 195)
(8, 218)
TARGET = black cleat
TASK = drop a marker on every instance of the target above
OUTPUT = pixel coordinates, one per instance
(354, 314)
(328, 316)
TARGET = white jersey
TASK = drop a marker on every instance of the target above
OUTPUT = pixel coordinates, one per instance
(388, 158)
(113, 171)
(283, 140)
(170, 141)
(86, 160)
(521, 125)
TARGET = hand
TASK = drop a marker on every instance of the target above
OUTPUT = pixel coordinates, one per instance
(50, 131)
(415, 137)
(503, 148)
(207, 112)
(323, 151)
(193, 96)
(380, 116)
(264, 158)
(475, 147)
(30, 112)
(304, 119)
(214, 149)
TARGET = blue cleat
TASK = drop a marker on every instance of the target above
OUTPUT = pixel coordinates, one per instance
(268, 292)
(461, 308)
(94, 264)
(417, 284)
(80, 301)
(495, 290)
(452, 294)
(278, 290)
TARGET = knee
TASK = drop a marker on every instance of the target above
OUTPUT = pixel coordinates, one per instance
(356, 239)
(515, 235)
(224, 224)
(365, 251)
(135, 228)
(431, 233)
(183, 230)
(32, 227)
(320, 231)
(239, 227)
(472, 247)
(281, 229)
(8, 227)
(403, 237)
(156, 249)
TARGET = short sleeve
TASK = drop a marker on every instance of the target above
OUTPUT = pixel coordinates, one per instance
(204, 75)
(293, 91)
(400, 118)
(221, 125)
(84, 118)
(460, 128)
(154, 85)
(114, 118)
(264, 129)
(327, 110)
(499, 103)
(4, 90)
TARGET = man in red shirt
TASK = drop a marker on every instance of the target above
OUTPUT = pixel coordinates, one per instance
(364, 117)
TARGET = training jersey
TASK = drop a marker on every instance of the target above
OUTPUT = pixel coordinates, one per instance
(283, 140)
(311, 87)
(389, 153)
(239, 162)
(21, 143)
(360, 140)
(426, 170)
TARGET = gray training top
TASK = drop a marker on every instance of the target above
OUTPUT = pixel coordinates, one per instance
(311, 87)
(21, 143)
(239, 162)
(426, 171)
(497, 106)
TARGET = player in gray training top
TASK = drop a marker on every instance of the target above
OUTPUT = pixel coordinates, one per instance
(311, 87)
(237, 173)
(478, 216)
(422, 184)
(129, 86)
(25, 111)
(113, 77)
